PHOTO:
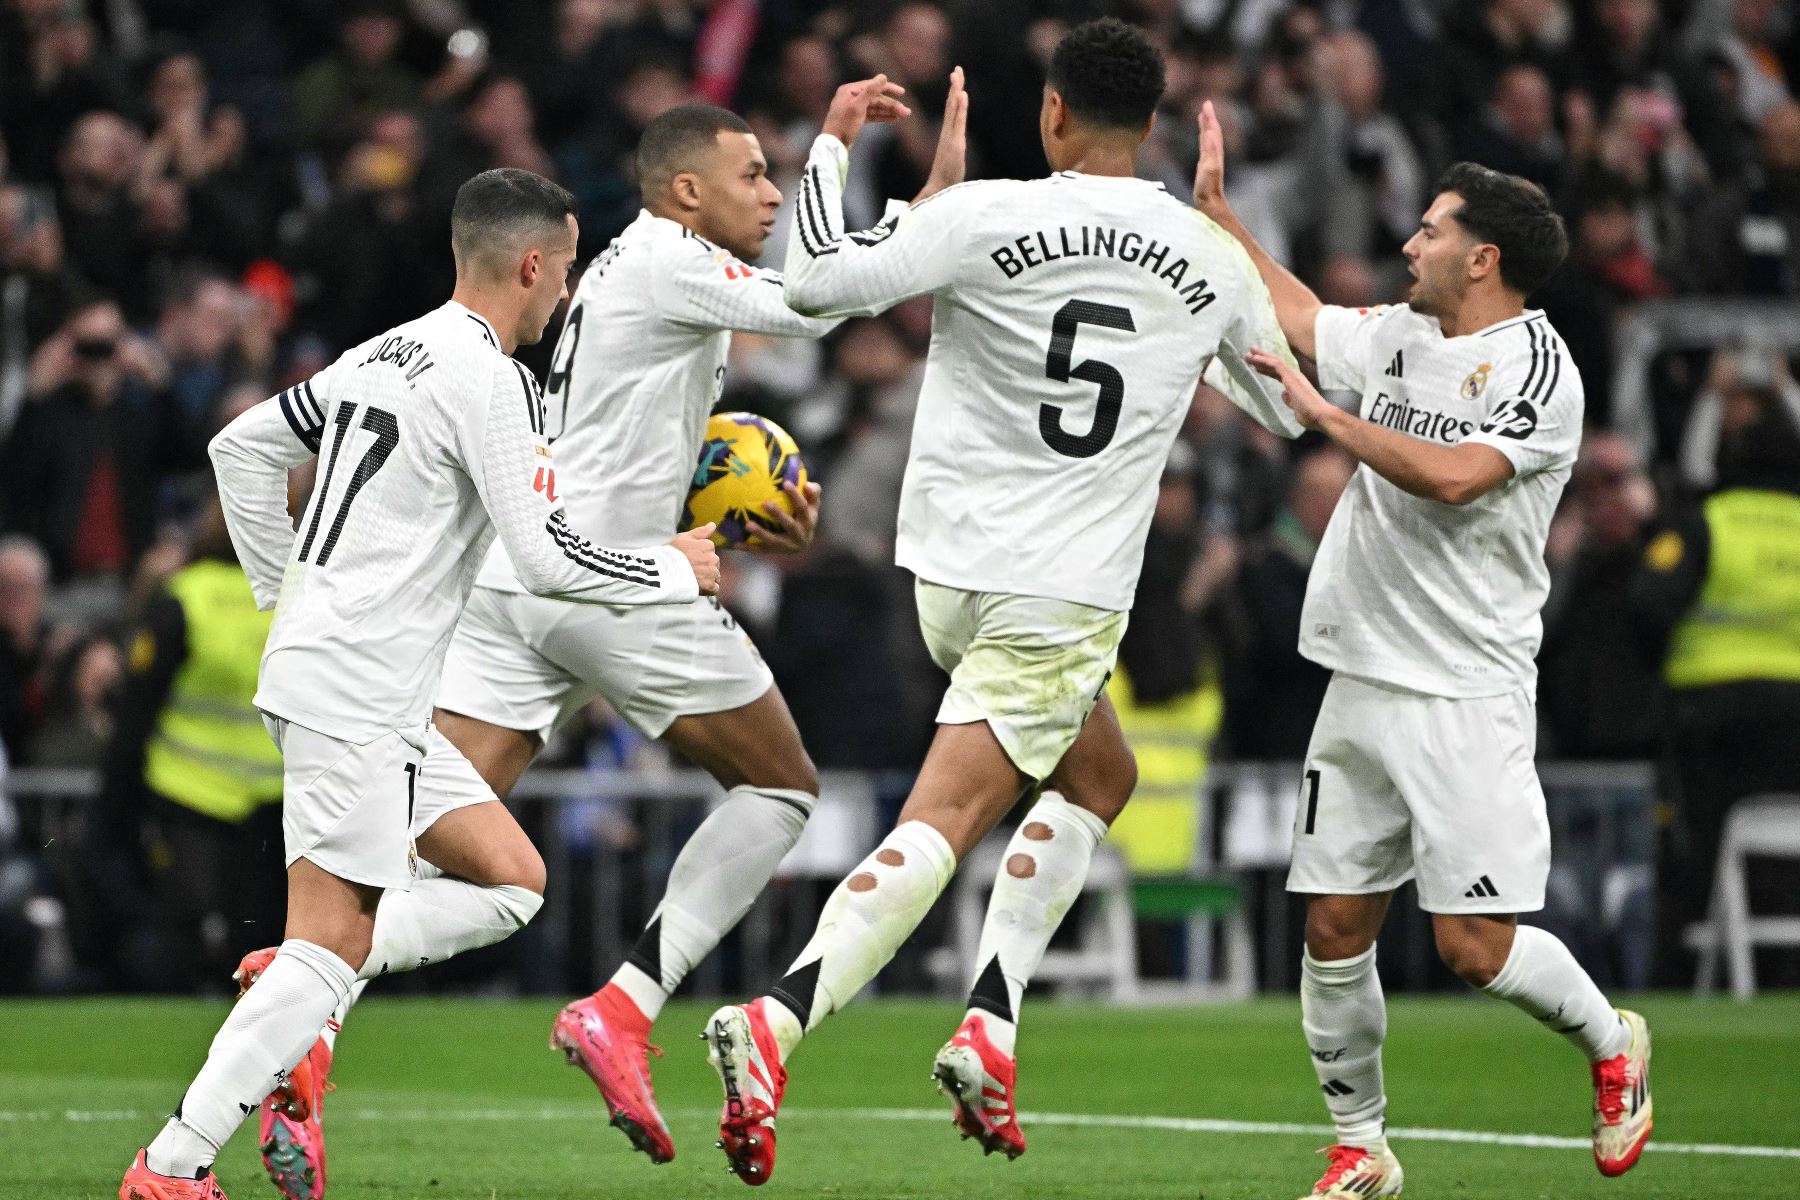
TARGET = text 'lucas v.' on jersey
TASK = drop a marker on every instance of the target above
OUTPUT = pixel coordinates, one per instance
(636, 373)
(430, 439)
(1439, 598)
(1072, 318)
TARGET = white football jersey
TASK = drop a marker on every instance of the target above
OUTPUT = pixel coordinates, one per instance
(1072, 318)
(430, 440)
(636, 373)
(1441, 598)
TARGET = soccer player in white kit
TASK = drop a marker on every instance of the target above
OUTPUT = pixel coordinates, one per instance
(1073, 316)
(432, 441)
(1425, 602)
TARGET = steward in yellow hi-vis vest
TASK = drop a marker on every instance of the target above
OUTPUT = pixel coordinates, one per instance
(193, 757)
(1720, 585)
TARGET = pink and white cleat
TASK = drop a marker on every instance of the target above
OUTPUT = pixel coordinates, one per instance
(1358, 1173)
(743, 1050)
(1623, 1116)
(607, 1036)
(141, 1183)
(293, 1150)
(979, 1081)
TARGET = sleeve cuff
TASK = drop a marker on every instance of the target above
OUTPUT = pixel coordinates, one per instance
(673, 568)
(1515, 452)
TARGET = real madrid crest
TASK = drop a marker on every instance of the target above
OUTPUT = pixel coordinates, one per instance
(1476, 383)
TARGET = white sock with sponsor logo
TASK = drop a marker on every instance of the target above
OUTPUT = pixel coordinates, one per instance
(1543, 978)
(1039, 879)
(1345, 1019)
(716, 878)
(863, 923)
(441, 918)
(269, 1030)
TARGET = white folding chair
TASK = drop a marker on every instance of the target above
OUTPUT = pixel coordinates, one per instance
(1756, 825)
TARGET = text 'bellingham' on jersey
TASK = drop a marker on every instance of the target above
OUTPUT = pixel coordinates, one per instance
(1071, 320)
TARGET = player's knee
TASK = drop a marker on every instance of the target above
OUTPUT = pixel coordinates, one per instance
(1472, 958)
(1332, 935)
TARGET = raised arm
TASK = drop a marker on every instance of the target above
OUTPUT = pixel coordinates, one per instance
(251, 458)
(1296, 307)
(506, 455)
(909, 253)
(699, 284)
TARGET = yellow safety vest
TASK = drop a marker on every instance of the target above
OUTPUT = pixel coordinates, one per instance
(210, 751)
(1746, 624)
(1160, 828)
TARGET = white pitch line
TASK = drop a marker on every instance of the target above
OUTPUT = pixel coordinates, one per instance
(584, 1112)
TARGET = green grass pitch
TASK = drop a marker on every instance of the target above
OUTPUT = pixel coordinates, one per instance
(461, 1098)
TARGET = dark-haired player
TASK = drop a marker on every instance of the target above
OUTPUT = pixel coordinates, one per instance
(1072, 317)
(431, 440)
(1424, 601)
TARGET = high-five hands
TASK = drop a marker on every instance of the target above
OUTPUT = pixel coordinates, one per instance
(950, 164)
(1209, 176)
(856, 104)
(1297, 390)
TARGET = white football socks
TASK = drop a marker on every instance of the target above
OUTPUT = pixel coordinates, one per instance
(1345, 1019)
(441, 918)
(717, 877)
(269, 1030)
(1040, 877)
(864, 922)
(1543, 978)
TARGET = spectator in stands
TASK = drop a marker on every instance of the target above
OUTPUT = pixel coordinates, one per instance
(1625, 46)
(1272, 694)
(1516, 133)
(1599, 684)
(24, 639)
(193, 761)
(100, 200)
(337, 97)
(53, 68)
(1482, 39)
(37, 291)
(200, 322)
(1747, 234)
(79, 472)
(1378, 208)
(78, 719)
(1721, 584)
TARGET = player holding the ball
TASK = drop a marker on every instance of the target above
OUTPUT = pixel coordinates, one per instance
(634, 376)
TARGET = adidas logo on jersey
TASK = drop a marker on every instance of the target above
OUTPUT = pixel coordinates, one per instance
(1484, 889)
(1397, 368)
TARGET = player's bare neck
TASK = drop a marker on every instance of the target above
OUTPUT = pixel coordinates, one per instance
(1480, 309)
(1090, 155)
(499, 313)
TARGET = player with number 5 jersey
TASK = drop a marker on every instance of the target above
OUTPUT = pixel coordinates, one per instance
(1072, 319)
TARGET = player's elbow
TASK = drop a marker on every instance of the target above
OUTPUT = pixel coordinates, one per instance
(1457, 490)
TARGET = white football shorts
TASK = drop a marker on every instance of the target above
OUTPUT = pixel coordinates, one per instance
(526, 662)
(1400, 785)
(1029, 666)
(348, 809)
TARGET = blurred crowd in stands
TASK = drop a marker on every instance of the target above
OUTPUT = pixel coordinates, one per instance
(204, 201)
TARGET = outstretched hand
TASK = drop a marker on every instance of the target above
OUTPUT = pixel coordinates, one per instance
(1209, 176)
(1297, 390)
(856, 104)
(950, 165)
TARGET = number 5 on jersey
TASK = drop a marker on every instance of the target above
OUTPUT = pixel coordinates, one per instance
(1112, 384)
(386, 429)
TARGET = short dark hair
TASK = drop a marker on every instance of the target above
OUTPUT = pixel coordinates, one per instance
(1108, 73)
(1515, 215)
(498, 209)
(673, 142)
